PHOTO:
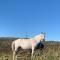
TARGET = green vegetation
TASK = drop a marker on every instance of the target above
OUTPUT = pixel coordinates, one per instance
(51, 51)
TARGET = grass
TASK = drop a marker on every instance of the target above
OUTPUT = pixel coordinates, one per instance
(51, 51)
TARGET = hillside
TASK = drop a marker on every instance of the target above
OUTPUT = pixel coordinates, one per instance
(5, 43)
(51, 49)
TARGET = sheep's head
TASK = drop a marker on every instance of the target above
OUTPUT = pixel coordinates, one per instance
(40, 37)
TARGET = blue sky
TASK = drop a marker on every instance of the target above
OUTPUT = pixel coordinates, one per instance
(32, 16)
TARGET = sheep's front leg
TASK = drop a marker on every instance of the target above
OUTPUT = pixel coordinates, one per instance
(32, 51)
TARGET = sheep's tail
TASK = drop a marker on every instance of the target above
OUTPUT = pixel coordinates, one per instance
(13, 46)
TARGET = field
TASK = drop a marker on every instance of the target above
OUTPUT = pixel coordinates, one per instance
(51, 51)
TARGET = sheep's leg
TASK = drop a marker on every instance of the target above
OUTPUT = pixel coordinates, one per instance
(13, 55)
(32, 51)
(16, 57)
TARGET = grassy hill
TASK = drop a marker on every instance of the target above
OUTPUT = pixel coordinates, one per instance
(51, 50)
